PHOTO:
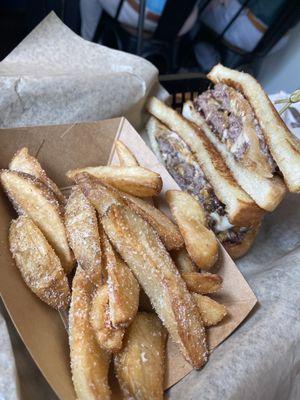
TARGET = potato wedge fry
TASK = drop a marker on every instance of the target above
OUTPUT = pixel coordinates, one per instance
(39, 265)
(108, 337)
(202, 283)
(183, 261)
(123, 288)
(140, 365)
(102, 196)
(22, 161)
(126, 157)
(32, 198)
(82, 228)
(140, 247)
(166, 229)
(89, 363)
(200, 242)
(211, 311)
(138, 181)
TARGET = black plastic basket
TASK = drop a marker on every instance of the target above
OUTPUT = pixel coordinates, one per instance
(183, 87)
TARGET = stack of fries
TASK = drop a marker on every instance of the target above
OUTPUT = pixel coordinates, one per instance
(126, 251)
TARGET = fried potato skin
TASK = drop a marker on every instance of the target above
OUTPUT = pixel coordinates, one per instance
(137, 180)
(183, 261)
(89, 363)
(102, 196)
(22, 161)
(140, 365)
(82, 228)
(32, 198)
(200, 242)
(202, 283)
(211, 311)
(39, 265)
(123, 288)
(108, 337)
(126, 157)
(140, 247)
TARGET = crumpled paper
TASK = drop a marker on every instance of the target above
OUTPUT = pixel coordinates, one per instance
(261, 360)
(56, 77)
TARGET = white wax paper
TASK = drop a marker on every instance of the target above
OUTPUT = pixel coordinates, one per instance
(54, 77)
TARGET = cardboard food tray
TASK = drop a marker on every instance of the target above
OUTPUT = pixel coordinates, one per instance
(60, 148)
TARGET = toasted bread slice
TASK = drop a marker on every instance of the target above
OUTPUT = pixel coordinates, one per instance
(89, 363)
(108, 337)
(239, 250)
(201, 243)
(211, 311)
(284, 146)
(140, 247)
(22, 161)
(39, 265)
(140, 365)
(123, 288)
(32, 198)
(266, 192)
(82, 228)
(241, 209)
(136, 180)
(126, 157)
(102, 196)
(202, 283)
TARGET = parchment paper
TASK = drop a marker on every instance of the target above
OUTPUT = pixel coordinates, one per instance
(56, 77)
(51, 78)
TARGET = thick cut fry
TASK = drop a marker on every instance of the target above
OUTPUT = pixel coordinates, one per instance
(39, 265)
(183, 261)
(123, 288)
(89, 363)
(108, 337)
(211, 311)
(82, 228)
(200, 242)
(140, 366)
(32, 198)
(23, 162)
(166, 229)
(140, 247)
(102, 196)
(138, 181)
(202, 283)
(126, 157)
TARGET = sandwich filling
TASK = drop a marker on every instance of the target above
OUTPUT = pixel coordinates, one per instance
(227, 111)
(189, 176)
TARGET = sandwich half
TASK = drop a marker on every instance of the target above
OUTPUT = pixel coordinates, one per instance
(199, 170)
(240, 121)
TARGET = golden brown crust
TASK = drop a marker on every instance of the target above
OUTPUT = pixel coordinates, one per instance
(108, 337)
(266, 192)
(39, 265)
(183, 261)
(283, 145)
(123, 288)
(239, 250)
(211, 311)
(32, 198)
(140, 247)
(126, 157)
(140, 365)
(241, 209)
(89, 363)
(137, 181)
(200, 242)
(82, 228)
(22, 161)
(202, 283)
